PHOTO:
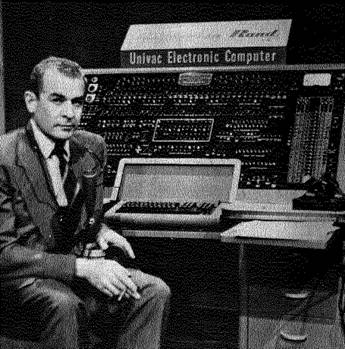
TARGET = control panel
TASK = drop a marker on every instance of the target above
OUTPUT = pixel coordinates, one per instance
(284, 123)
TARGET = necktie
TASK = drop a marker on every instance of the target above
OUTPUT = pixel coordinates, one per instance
(70, 185)
(70, 180)
(60, 152)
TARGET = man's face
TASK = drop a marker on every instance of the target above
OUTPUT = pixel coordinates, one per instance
(58, 109)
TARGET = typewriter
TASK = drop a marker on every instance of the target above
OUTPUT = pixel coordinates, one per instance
(161, 193)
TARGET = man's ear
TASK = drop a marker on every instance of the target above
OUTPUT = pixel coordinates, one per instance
(30, 101)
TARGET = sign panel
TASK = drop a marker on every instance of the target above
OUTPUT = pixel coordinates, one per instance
(206, 44)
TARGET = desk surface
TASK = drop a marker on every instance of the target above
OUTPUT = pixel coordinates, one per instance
(173, 234)
(312, 235)
(315, 237)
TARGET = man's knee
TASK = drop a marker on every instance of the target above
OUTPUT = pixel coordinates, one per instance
(65, 302)
(42, 306)
(162, 289)
(58, 297)
(151, 286)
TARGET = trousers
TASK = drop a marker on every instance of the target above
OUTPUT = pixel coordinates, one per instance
(63, 316)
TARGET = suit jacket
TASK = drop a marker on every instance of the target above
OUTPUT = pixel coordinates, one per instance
(28, 205)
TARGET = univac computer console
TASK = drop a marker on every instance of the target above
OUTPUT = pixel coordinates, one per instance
(283, 122)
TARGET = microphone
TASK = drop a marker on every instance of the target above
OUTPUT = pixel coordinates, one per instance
(89, 189)
(93, 224)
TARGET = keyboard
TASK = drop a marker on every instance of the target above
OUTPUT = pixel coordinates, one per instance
(164, 207)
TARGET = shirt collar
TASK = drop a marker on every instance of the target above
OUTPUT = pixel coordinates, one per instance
(45, 144)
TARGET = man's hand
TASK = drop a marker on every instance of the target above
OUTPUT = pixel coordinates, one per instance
(108, 276)
(108, 236)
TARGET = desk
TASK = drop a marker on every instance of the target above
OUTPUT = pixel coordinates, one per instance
(288, 314)
(264, 305)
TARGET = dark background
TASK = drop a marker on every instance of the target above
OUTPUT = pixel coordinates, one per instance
(92, 32)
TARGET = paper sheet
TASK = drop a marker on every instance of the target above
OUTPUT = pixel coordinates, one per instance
(287, 230)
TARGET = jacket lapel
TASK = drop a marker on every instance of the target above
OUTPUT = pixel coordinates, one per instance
(82, 161)
(77, 153)
(78, 162)
(30, 160)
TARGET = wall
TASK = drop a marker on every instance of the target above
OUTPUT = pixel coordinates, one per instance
(92, 33)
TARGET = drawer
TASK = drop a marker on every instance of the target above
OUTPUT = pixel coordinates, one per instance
(178, 343)
(203, 324)
(273, 334)
(275, 302)
(291, 269)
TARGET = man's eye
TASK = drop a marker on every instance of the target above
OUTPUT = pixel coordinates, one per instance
(78, 104)
(57, 100)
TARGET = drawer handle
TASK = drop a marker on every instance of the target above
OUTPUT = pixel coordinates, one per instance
(293, 337)
(297, 295)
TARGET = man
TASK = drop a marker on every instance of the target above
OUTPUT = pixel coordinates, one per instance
(64, 294)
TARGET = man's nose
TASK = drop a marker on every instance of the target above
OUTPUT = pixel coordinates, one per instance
(68, 110)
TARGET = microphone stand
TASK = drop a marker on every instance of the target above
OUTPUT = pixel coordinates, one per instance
(90, 248)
